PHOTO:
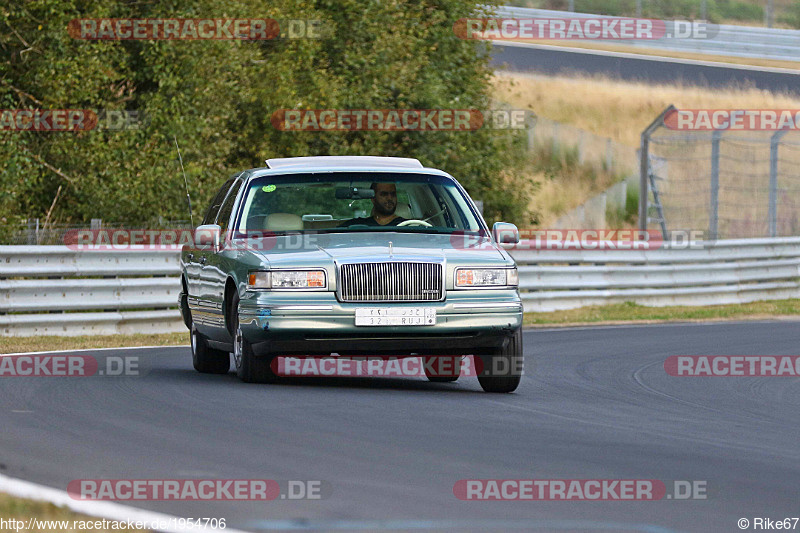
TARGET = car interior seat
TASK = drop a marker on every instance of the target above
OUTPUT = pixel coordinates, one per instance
(283, 222)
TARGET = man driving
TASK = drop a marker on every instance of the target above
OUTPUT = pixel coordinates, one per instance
(383, 207)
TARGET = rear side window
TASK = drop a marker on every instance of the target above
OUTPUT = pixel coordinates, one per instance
(211, 215)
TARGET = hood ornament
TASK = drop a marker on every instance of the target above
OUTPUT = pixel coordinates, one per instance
(391, 249)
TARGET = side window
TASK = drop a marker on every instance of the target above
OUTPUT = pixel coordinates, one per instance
(211, 214)
(224, 216)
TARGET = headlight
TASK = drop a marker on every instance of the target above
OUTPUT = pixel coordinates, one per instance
(487, 277)
(287, 279)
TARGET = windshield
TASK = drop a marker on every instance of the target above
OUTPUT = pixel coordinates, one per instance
(344, 202)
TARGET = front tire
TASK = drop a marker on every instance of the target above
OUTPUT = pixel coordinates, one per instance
(249, 368)
(205, 359)
(502, 370)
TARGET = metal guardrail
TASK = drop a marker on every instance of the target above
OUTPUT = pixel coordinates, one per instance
(53, 290)
(722, 272)
(729, 40)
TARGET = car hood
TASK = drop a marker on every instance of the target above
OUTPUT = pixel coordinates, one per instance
(323, 249)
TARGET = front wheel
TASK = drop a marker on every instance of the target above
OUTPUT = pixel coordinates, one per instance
(249, 368)
(502, 370)
(205, 359)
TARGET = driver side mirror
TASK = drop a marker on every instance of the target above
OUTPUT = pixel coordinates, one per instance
(505, 233)
(207, 236)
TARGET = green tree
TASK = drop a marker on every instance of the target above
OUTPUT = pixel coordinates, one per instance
(216, 98)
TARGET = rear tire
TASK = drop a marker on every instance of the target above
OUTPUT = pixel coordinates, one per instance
(502, 370)
(208, 360)
(249, 368)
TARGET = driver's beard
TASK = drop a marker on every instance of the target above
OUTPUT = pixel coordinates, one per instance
(377, 209)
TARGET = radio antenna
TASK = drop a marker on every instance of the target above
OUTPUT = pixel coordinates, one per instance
(185, 182)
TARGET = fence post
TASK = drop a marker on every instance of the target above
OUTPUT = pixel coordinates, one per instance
(609, 156)
(555, 138)
(531, 135)
(644, 164)
(774, 144)
(713, 213)
(31, 233)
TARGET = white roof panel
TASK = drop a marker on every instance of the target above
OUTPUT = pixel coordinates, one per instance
(362, 161)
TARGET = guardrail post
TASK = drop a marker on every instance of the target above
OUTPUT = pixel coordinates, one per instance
(774, 144)
(713, 210)
(609, 156)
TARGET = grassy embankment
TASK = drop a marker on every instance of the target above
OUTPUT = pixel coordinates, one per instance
(608, 108)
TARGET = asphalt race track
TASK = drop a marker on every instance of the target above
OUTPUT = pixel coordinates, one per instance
(633, 67)
(596, 403)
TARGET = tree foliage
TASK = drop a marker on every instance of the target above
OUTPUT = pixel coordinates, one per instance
(216, 99)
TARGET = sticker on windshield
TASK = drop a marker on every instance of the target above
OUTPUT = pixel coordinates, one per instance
(268, 188)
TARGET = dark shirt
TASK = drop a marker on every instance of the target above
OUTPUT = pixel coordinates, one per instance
(370, 222)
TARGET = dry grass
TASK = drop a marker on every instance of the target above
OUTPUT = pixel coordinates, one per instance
(42, 344)
(23, 509)
(563, 183)
(618, 109)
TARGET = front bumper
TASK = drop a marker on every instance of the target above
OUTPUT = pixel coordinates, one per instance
(467, 322)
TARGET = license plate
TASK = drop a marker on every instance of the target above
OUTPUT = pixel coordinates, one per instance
(398, 316)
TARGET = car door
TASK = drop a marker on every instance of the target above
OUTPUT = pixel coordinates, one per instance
(217, 265)
(198, 256)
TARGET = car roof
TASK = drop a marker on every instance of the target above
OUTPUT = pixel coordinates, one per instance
(347, 161)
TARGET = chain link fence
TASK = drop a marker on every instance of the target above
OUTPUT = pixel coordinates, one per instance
(732, 184)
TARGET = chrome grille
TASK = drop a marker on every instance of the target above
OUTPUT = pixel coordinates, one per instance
(390, 282)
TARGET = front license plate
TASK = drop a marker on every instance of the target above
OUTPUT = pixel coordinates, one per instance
(398, 316)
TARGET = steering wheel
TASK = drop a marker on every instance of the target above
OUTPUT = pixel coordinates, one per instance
(414, 222)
